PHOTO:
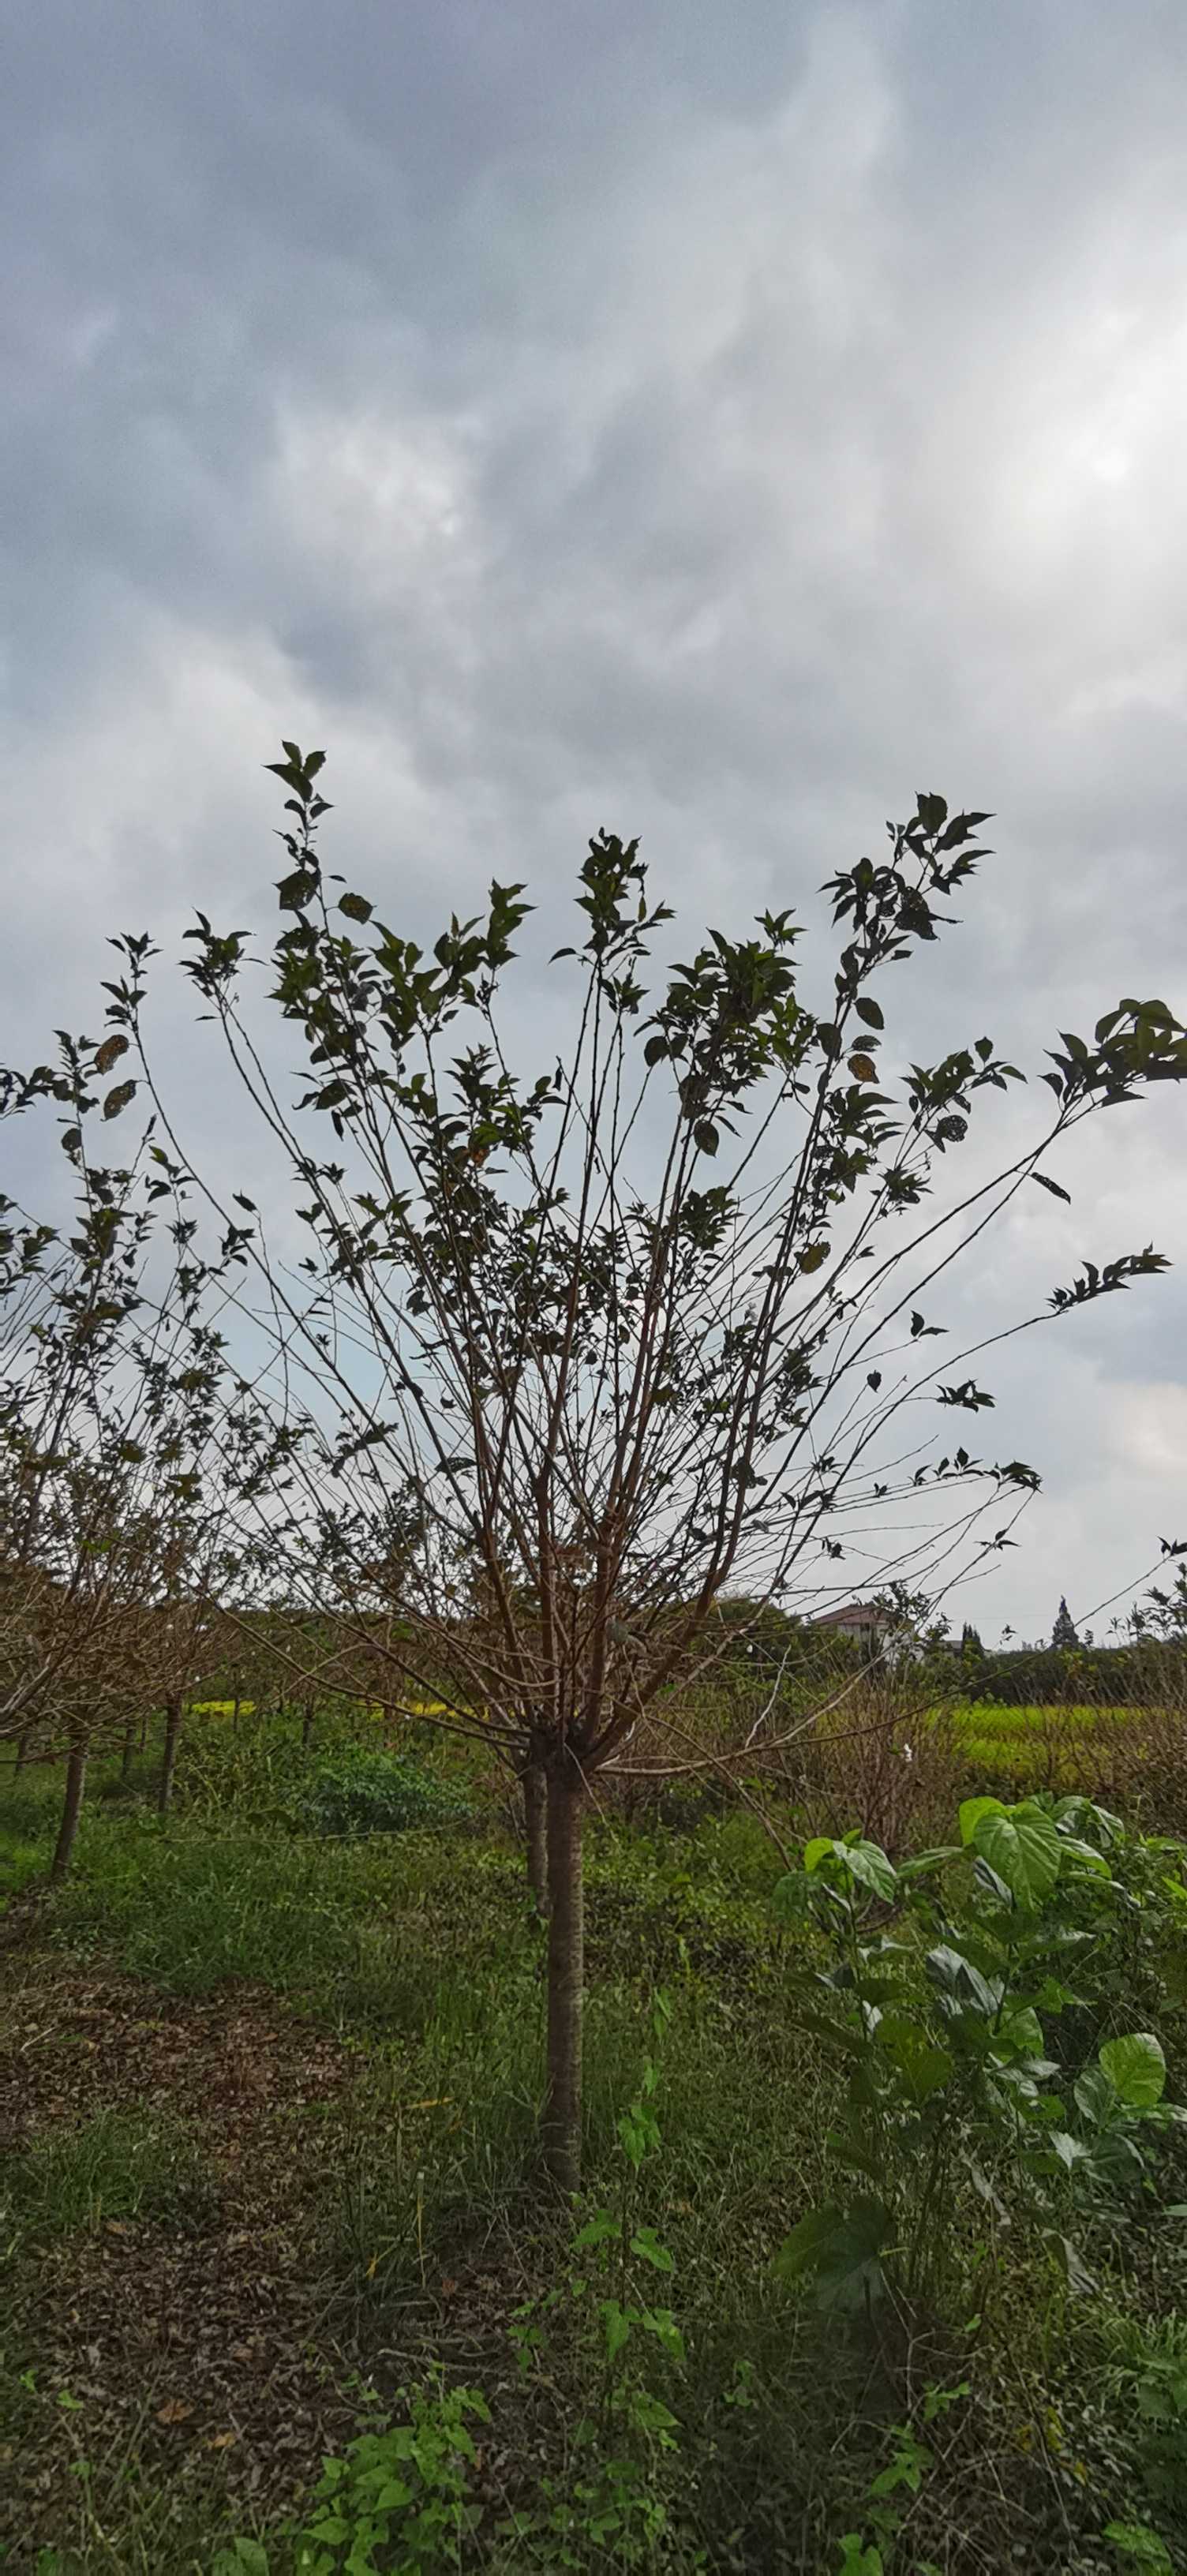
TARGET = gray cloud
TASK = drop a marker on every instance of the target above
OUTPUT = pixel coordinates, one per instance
(714, 424)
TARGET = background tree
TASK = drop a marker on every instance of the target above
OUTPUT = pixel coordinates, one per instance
(1063, 1633)
(126, 1444)
(626, 1333)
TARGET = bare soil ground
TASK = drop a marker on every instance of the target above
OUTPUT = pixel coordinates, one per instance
(197, 2340)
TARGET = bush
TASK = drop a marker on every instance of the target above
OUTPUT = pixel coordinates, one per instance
(379, 1793)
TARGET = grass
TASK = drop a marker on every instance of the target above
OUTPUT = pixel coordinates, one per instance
(118, 2165)
(1070, 1746)
(286, 2099)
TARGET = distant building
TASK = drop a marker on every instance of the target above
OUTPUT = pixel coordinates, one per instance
(857, 1619)
(883, 1637)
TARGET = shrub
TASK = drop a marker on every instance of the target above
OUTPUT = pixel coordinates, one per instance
(947, 2008)
(379, 1793)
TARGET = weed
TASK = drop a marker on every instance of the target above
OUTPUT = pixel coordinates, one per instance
(378, 1793)
(404, 2491)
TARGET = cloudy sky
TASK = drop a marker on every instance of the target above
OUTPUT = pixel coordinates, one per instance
(716, 423)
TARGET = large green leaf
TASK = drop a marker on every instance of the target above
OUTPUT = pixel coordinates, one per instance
(925, 1863)
(1136, 2069)
(971, 1811)
(1019, 2033)
(820, 1848)
(960, 1977)
(840, 2247)
(870, 1867)
(864, 1862)
(1087, 1855)
(924, 2067)
(793, 1893)
(1022, 1845)
(1096, 2096)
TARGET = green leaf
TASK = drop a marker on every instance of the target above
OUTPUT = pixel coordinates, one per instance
(926, 1863)
(706, 1136)
(617, 2326)
(959, 1975)
(868, 1864)
(1022, 1845)
(647, 2245)
(869, 1011)
(1019, 2033)
(296, 890)
(1138, 2544)
(924, 2067)
(1053, 1186)
(1096, 2097)
(841, 2247)
(331, 2527)
(813, 1256)
(933, 812)
(232, 2561)
(1136, 2068)
(356, 907)
(971, 1812)
(856, 2560)
(598, 2230)
(1087, 1855)
(655, 1050)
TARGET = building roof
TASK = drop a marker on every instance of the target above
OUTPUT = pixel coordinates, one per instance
(855, 1614)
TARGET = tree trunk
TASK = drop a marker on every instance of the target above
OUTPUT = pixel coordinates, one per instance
(169, 1756)
(22, 1752)
(535, 1807)
(566, 1974)
(144, 1731)
(76, 1772)
(307, 1727)
(127, 1753)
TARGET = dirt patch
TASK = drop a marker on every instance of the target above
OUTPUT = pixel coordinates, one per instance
(197, 2345)
(173, 2373)
(72, 2043)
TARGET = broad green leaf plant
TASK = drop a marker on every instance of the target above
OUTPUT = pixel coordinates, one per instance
(939, 1991)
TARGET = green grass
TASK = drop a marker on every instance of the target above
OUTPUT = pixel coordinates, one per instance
(1002, 1719)
(1073, 1746)
(117, 2165)
(421, 1953)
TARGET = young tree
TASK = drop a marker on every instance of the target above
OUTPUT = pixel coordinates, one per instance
(590, 1346)
(126, 1445)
